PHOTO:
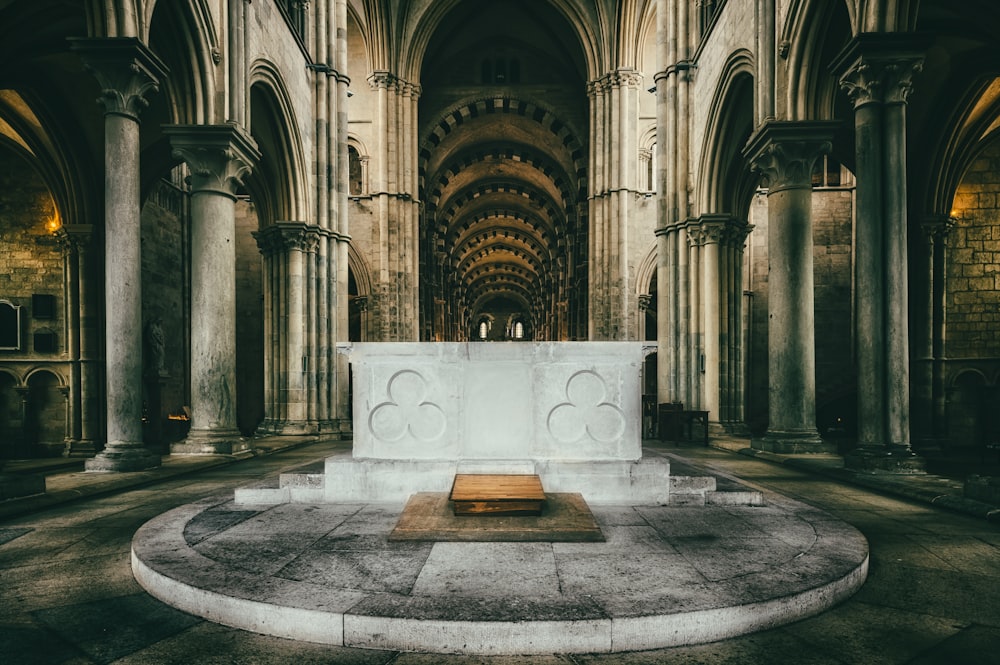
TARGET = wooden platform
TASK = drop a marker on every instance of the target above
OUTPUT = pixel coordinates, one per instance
(495, 494)
(428, 516)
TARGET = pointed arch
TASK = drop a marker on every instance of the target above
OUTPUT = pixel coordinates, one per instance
(815, 33)
(278, 182)
(725, 182)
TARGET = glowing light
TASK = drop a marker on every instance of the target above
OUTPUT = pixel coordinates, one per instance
(54, 223)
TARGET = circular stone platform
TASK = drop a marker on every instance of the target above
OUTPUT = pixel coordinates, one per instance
(666, 576)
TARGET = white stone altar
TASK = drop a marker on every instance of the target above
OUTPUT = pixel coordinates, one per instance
(568, 411)
(423, 412)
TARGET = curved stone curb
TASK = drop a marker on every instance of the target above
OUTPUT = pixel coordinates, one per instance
(753, 596)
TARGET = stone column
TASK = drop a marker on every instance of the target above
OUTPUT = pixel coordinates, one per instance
(219, 156)
(784, 153)
(288, 248)
(876, 71)
(127, 71)
(928, 375)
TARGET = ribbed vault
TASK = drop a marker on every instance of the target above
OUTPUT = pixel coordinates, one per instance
(503, 174)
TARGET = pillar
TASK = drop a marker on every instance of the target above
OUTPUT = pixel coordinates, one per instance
(784, 153)
(876, 71)
(219, 157)
(127, 71)
(291, 371)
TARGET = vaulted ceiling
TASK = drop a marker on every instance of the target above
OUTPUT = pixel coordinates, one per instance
(502, 159)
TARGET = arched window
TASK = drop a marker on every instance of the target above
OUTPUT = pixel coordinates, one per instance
(484, 329)
(354, 171)
(519, 330)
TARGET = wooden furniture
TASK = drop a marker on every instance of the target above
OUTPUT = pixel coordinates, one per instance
(669, 421)
(676, 423)
(494, 494)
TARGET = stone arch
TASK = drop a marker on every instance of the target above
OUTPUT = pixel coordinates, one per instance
(11, 415)
(726, 183)
(45, 412)
(532, 111)
(594, 51)
(965, 410)
(278, 183)
(814, 33)
(361, 177)
(645, 276)
(182, 34)
(360, 270)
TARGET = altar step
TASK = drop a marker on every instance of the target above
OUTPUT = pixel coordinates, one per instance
(497, 494)
(308, 485)
(703, 491)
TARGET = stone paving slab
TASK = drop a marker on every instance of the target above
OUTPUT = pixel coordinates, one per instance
(666, 576)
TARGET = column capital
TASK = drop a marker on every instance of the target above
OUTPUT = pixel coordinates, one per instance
(219, 156)
(73, 238)
(385, 79)
(282, 237)
(784, 152)
(712, 228)
(125, 69)
(937, 227)
(879, 67)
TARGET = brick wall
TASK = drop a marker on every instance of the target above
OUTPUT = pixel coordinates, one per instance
(973, 276)
(30, 259)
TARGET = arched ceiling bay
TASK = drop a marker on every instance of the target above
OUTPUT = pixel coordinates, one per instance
(503, 160)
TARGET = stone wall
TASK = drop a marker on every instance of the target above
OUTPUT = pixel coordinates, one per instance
(166, 285)
(249, 321)
(31, 262)
(973, 276)
(32, 403)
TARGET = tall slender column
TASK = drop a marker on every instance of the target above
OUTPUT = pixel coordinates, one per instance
(784, 153)
(876, 71)
(127, 71)
(711, 233)
(219, 156)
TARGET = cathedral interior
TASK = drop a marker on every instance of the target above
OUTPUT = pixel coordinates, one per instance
(795, 205)
(791, 208)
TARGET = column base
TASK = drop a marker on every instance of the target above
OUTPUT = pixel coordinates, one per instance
(213, 442)
(288, 428)
(793, 442)
(80, 448)
(896, 459)
(736, 428)
(132, 457)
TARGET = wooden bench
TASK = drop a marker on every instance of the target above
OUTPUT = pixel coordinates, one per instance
(496, 494)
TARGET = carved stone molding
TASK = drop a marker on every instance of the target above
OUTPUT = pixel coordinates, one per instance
(879, 68)
(282, 237)
(126, 70)
(785, 152)
(219, 156)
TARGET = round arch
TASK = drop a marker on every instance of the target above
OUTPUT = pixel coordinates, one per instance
(580, 17)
